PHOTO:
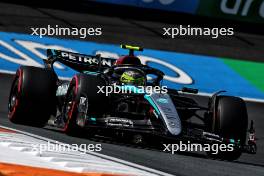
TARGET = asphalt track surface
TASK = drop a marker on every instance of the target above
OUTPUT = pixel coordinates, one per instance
(17, 18)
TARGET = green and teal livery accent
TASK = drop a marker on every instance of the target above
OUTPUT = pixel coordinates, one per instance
(148, 98)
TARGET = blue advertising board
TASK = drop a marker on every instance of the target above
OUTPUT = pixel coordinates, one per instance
(186, 6)
(209, 74)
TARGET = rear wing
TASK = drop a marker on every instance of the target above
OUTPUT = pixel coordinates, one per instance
(78, 62)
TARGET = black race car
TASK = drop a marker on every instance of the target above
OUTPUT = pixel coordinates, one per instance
(125, 98)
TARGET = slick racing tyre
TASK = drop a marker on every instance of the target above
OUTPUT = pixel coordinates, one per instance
(32, 98)
(81, 101)
(231, 122)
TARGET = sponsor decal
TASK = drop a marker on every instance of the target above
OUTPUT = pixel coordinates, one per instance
(162, 100)
(118, 122)
(85, 59)
(242, 10)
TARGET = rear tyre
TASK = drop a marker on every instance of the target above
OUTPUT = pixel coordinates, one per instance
(230, 121)
(81, 101)
(32, 98)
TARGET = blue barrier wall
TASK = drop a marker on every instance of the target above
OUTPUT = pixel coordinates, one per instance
(209, 74)
(186, 6)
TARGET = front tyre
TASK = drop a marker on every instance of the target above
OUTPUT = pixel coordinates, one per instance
(82, 100)
(230, 120)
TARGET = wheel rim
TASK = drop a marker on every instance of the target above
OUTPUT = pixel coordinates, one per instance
(13, 98)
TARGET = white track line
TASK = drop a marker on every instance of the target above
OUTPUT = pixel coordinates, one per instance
(114, 161)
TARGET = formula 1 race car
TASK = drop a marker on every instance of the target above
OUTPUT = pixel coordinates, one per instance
(125, 98)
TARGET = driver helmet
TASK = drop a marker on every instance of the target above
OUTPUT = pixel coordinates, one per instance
(132, 77)
(128, 60)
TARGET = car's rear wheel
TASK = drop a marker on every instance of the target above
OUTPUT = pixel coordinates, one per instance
(32, 98)
(81, 101)
(230, 120)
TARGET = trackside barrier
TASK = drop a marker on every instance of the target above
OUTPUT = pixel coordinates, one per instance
(208, 74)
(240, 10)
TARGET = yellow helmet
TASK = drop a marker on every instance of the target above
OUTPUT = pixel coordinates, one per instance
(133, 78)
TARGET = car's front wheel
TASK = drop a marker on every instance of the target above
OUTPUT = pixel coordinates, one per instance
(81, 101)
(230, 120)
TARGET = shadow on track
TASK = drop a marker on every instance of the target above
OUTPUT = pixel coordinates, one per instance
(116, 141)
